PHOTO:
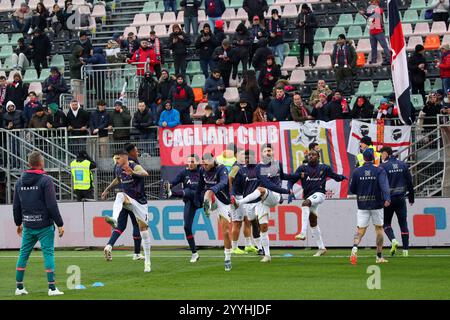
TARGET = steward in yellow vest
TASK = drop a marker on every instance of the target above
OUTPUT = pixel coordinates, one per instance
(364, 143)
(82, 175)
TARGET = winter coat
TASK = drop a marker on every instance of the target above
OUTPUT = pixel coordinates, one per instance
(29, 110)
(100, 120)
(417, 76)
(41, 47)
(87, 48)
(182, 98)
(15, 116)
(97, 58)
(156, 46)
(148, 90)
(81, 120)
(180, 46)
(261, 54)
(58, 86)
(345, 54)
(319, 114)
(228, 115)
(364, 112)
(209, 120)
(143, 120)
(75, 63)
(255, 8)
(277, 27)
(255, 37)
(251, 96)
(140, 57)
(242, 116)
(17, 93)
(206, 47)
(314, 98)
(26, 50)
(211, 88)
(121, 119)
(299, 114)
(431, 111)
(334, 111)
(171, 117)
(444, 66)
(130, 47)
(223, 65)
(58, 119)
(307, 31)
(190, 7)
(265, 84)
(219, 36)
(38, 122)
(241, 34)
(214, 8)
(164, 87)
(279, 110)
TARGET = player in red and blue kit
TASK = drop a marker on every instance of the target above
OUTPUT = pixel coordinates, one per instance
(130, 177)
(213, 191)
(188, 178)
(270, 175)
(313, 177)
(133, 154)
(400, 182)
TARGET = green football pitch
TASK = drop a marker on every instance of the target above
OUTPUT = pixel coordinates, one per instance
(292, 274)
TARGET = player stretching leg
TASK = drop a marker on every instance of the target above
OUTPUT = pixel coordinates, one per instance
(313, 177)
(371, 186)
(400, 181)
(133, 154)
(213, 190)
(130, 176)
(189, 180)
(236, 182)
(270, 174)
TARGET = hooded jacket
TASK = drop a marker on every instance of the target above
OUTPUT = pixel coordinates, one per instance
(265, 84)
(223, 65)
(143, 120)
(164, 87)
(100, 120)
(171, 117)
(17, 92)
(261, 54)
(41, 46)
(344, 55)
(58, 85)
(57, 119)
(35, 203)
(416, 75)
(97, 57)
(242, 116)
(75, 63)
(211, 88)
(206, 47)
(364, 112)
(14, 116)
(307, 31)
(140, 57)
(148, 90)
(121, 119)
(29, 110)
(241, 34)
(180, 46)
(334, 110)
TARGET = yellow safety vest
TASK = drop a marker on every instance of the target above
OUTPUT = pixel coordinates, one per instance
(81, 174)
(227, 162)
(377, 155)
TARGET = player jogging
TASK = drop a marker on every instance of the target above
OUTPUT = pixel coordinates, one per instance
(130, 176)
(400, 181)
(214, 193)
(313, 177)
(122, 220)
(188, 178)
(270, 174)
(371, 186)
(243, 181)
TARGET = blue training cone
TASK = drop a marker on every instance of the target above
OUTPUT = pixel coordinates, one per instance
(287, 255)
(80, 287)
(98, 284)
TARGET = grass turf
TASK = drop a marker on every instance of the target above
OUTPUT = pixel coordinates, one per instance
(422, 275)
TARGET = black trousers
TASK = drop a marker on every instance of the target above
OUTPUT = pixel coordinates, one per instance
(226, 77)
(38, 62)
(397, 206)
(180, 64)
(418, 88)
(83, 194)
(308, 46)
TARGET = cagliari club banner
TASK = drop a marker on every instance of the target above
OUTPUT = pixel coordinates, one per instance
(338, 141)
(85, 225)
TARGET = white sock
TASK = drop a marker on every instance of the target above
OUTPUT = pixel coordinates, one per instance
(248, 241)
(305, 219)
(265, 243)
(258, 243)
(234, 244)
(118, 205)
(227, 254)
(252, 196)
(145, 235)
(317, 236)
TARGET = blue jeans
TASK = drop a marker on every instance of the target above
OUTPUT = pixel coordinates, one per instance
(446, 84)
(170, 5)
(278, 51)
(212, 23)
(381, 38)
(188, 21)
(204, 63)
(21, 27)
(214, 105)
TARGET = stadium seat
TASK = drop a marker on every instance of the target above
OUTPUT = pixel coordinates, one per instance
(354, 32)
(323, 62)
(2, 73)
(297, 77)
(417, 101)
(446, 39)
(161, 31)
(360, 59)
(407, 29)
(241, 14)
(128, 30)
(410, 16)
(180, 17)
(375, 100)
(318, 49)
(7, 64)
(14, 38)
(289, 63)
(193, 68)
(427, 85)
(359, 20)
(328, 48)
(198, 94)
(4, 40)
(345, 20)
(36, 87)
(6, 51)
(439, 28)
(366, 33)
(154, 19)
(412, 42)
(160, 7)
(365, 88)
(290, 11)
(268, 14)
(384, 88)
(282, 2)
(30, 76)
(144, 32)
(58, 61)
(418, 4)
(99, 11)
(200, 112)
(231, 94)
(168, 18)
(422, 16)
(322, 34)
(229, 14)
(235, 4)
(45, 73)
(232, 26)
(437, 84)
(149, 7)
(421, 29)
(294, 50)
(336, 31)
(5, 6)
(363, 46)
(198, 81)
(432, 42)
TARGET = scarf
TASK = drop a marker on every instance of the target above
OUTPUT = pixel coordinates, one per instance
(266, 78)
(2, 94)
(156, 45)
(180, 93)
(342, 50)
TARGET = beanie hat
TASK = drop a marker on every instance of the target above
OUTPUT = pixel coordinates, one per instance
(53, 106)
